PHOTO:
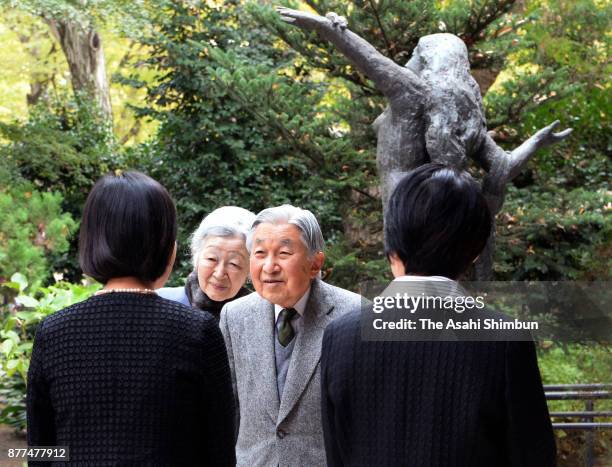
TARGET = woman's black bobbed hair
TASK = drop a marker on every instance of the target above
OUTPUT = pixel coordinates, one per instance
(128, 228)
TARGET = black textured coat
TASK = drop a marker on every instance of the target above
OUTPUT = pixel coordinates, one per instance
(426, 404)
(132, 379)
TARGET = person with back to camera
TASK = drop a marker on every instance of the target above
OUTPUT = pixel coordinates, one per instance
(432, 403)
(127, 377)
(220, 261)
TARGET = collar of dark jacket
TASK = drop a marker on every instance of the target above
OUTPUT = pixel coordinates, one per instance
(199, 299)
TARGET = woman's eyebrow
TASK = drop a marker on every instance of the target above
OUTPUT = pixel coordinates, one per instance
(236, 253)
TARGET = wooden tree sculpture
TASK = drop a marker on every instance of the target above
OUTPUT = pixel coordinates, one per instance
(434, 114)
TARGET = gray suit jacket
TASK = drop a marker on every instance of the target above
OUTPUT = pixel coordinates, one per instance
(286, 432)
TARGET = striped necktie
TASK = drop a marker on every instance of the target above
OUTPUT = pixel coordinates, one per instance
(286, 333)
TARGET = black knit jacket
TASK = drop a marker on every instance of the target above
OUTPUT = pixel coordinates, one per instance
(132, 379)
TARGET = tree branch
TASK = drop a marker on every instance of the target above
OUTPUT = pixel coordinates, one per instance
(382, 30)
(516, 108)
(484, 16)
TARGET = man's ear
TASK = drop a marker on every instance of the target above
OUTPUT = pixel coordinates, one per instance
(317, 263)
(397, 265)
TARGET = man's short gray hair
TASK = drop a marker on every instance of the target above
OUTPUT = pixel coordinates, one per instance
(227, 221)
(303, 219)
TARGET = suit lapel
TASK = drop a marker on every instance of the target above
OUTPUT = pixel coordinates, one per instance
(263, 367)
(307, 351)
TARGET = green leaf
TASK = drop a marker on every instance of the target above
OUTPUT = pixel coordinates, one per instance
(9, 323)
(29, 316)
(25, 347)
(9, 334)
(12, 364)
(7, 346)
(27, 301)
(20, 279)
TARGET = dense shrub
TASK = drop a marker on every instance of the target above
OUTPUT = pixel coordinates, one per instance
(33, 232)
(559, 235)
(21, 311)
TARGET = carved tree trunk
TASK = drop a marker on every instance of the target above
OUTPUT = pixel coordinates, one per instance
(85, 56)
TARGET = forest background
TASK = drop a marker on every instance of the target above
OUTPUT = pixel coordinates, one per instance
(225, 104)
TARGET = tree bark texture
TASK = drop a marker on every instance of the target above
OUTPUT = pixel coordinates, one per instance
(82, 47)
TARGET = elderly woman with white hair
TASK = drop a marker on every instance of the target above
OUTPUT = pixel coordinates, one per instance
(220, 261)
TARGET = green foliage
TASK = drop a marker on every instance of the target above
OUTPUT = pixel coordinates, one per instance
(352, 268)
(553, 236)
(130, 15)
(575, 364)
(254, 112)
(555, 226)
(584, 160)
(33, 228)
(393, 27)
(234, 129)
(21, 313)
(289, 120)
(545, 236)
(558, 64)
(65, 149)
(543, 80)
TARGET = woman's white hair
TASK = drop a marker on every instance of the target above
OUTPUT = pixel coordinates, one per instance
(303, 219)
(227, 221)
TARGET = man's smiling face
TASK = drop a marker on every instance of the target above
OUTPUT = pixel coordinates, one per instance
(281, 268)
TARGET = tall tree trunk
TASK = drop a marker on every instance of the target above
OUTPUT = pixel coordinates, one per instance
(83, 50)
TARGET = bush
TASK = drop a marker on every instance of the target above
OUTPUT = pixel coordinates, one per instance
(563, 235)
(63, 148)
(34, 228)
(20, 314)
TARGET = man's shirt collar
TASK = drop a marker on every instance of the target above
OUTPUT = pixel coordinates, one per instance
(300, 305)
(409, 277)
(443, 283)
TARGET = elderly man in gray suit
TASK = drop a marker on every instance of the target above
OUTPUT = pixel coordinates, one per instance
(273, 339)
